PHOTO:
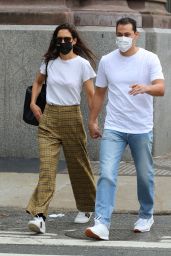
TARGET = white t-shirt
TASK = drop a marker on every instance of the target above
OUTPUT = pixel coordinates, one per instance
(128, 113)
(65, 80)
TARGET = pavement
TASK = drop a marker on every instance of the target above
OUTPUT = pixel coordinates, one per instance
(18, 178)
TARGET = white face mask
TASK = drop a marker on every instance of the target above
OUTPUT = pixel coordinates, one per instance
(124, 43)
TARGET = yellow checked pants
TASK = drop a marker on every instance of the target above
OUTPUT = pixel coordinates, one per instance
(62, 125)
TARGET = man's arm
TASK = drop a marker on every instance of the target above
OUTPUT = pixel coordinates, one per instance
(97, 105)
(157, 88)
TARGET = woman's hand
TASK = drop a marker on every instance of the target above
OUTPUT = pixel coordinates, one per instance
(36, 111)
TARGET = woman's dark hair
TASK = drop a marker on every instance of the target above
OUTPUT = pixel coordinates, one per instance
(125, 21)
(79, 48)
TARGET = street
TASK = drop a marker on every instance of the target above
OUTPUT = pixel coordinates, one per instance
(63, 237)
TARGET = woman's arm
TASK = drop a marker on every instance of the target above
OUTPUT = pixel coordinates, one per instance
(97, 105)
(89, 89)
(37, 86)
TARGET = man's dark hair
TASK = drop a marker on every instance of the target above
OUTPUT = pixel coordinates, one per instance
(125, 21)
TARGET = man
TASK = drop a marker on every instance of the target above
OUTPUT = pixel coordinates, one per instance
(132, 76)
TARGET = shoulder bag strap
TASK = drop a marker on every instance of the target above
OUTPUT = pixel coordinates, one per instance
(46, 74)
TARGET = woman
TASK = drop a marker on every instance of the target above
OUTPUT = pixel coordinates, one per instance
(61, 124)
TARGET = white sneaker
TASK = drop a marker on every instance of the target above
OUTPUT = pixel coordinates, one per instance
(143, 225)
(37, 225)
(99, 231)
(82, 217)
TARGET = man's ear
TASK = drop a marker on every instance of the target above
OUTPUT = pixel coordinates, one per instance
(137, 34)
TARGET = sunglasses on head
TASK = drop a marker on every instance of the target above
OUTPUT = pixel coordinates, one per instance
(65, 39)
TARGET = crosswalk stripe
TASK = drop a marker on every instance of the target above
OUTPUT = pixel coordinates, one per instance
(26, 238)
(14, 254)
(20, 233)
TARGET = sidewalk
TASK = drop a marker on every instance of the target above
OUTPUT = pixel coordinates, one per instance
(17, 183)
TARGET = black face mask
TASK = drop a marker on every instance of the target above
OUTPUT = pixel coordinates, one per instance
(64, 48)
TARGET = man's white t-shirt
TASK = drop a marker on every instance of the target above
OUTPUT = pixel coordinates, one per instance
(65, 80)
(128, 113)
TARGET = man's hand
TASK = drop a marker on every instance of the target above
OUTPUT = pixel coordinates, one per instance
(138, 89)
(36, 111)
(94, 130)
(156, 88)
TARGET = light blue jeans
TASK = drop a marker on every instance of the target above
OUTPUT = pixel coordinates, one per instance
(112, 146)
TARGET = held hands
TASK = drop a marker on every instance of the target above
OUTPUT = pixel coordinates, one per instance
(36, 111)
(94, 130)
(138, 89)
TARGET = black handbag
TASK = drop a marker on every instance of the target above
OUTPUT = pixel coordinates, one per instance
(28, 115)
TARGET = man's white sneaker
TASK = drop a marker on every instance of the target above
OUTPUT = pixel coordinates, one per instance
(143, 225)
(99, 231)
(83, 217)
(37, 225)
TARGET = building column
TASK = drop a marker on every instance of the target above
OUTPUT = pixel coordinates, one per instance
(149, 13)
(83, 13)
(154, 13)
(34, 12)
(103, 13)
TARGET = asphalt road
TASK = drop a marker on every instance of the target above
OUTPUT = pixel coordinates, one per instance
(63, 237)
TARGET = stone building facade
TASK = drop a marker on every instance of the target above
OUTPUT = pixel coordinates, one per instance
(25, 30)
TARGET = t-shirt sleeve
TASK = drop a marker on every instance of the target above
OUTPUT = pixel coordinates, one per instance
(88, 72)
(155, 68)
(101, 80)
(43, 68)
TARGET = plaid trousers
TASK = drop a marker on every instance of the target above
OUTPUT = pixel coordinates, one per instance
(63, 126)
